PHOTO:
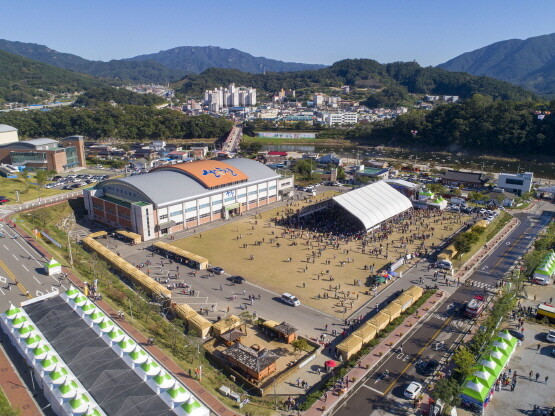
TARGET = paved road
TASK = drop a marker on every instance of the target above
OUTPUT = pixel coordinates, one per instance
(435, 338)
(21, 270)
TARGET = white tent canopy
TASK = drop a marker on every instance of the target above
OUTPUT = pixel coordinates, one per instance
(373, 204)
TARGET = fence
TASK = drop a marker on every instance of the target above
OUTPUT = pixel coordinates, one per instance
(46, 201)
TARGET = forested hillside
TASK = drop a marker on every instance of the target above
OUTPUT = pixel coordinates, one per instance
(121, 96)
(479, 124)
(122, 122)
(529, 62)
(362, 73)
(134, 71)
(25, 80)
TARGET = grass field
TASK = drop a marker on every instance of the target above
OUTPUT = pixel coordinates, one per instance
(301, 142)
(271, 269)
(9, 186)
(5, 407)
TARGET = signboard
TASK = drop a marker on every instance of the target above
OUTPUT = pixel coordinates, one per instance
(394, 266)
(51, 239)
(232, 206)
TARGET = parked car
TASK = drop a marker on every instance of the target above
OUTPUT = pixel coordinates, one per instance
(430, 367)
(216, 270)
(290, 299)
(236, 279)
(413, 390)
(518, 335)
(551, 335)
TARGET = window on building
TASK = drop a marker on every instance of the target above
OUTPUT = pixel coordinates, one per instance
(164, 216)
(176, 213)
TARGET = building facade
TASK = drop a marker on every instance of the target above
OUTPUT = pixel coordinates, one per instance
(231, 96)
(517, 183)
(174, 198)
(48, 154)
(8, 134)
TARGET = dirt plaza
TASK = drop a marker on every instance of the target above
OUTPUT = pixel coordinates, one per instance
(330, 274)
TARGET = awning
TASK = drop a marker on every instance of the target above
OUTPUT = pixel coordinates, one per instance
(167, 224)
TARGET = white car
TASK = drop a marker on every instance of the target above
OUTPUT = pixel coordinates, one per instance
(551, 335)
(413, 390)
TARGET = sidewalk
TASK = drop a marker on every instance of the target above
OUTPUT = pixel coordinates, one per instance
(15, 390)
(322, 407)
(198, 390)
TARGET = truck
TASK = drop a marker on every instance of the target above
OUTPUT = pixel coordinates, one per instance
(474, 308)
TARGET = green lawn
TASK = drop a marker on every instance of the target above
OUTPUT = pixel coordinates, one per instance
(6, 408)
(303, 142)
(9, 186)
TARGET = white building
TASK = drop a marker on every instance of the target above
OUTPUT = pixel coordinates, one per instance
(332, 119)
(518, 183)
(8, 134)
(231, 96)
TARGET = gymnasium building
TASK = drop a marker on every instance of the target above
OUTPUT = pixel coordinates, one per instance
(177, 197)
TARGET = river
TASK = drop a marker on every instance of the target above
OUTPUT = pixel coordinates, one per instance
(482, 163)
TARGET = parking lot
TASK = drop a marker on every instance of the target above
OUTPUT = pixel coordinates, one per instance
(77, 179)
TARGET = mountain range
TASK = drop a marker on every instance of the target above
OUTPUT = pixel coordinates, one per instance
(529, 63)
(162, 67)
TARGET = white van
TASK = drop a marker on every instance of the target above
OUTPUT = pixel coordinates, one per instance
(290, 299)
(444, 264)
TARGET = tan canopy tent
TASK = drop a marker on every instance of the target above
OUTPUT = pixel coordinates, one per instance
(198, 262)
(393, 310)
(349, 346)
(135, 275)
(98, 234)
(135, 238)
(184, 311)
(200, 325)
(366, 332)
(225, 324)
(448, 253)
(415, 291)
(270, 324)
(380, 320)
(405, 300)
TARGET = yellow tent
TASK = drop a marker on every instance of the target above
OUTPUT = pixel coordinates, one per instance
(225, 324)
(200, 325)
(380, 320)
(366, 332)
(349, 346)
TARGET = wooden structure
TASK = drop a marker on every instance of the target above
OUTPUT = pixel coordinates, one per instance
(448, 253)
(98, 234)
(256, 365)
(139, 278)
(366, 332)
(393, 310)
(404, 300)
(349, 346)
(132, 237)
(199, 324)
(285, 332)
(183, 311)
(380, 320)
(190, 259)
(224, 325)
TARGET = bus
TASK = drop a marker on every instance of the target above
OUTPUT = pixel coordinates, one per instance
(546, 310)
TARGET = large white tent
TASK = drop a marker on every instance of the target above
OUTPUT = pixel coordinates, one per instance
(373, 204)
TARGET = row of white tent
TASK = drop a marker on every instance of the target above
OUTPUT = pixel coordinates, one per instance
(478, 388)
(31, 341)
(61, 388)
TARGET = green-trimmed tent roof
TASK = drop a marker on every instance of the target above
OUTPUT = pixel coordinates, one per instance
(492, 366)
(190, 405)
(151, 367)
(72, 292)
(487, 378)
(475, 389)
(12, 311)
(506, 335)
(52, 263)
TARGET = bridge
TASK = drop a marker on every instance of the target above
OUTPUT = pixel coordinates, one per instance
(233, 140)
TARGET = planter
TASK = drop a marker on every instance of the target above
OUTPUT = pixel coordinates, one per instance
(400, 334)
(367, 366)
(323, 408)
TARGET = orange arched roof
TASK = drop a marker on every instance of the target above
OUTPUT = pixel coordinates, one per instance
(210, 173)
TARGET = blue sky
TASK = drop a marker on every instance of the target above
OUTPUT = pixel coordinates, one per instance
(428, 31)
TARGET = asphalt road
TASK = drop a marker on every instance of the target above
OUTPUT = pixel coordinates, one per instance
(435, 337)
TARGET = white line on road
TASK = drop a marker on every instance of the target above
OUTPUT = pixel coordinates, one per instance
(6, 247)
(24, 267)
(2, 291)
(38, 281)
(374, 390)
(14, 256)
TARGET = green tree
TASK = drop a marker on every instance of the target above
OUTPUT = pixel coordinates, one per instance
(438, 188)
(457, 192)
(447, 390)
(465, 362)
(304, 167)
(300, 344)
(463, 243)
(341, 175)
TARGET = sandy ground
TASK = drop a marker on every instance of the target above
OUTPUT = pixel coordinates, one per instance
(271, 268)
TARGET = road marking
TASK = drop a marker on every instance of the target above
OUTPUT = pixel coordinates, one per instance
(37, 280)
(39, 293)
(24, 267)
(12, 276)
(6, 247)
(417, 355)
(2, 291)
(15, 257)
(3, 279)
(374, 390)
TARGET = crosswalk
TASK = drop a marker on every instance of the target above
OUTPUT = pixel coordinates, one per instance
(482, 285)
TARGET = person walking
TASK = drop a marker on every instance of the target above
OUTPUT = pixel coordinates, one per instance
(539, 346)
(537, 377)
(546, 379)
(530, 374)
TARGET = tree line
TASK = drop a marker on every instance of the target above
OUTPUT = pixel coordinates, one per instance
(122, 122)
(121, 96)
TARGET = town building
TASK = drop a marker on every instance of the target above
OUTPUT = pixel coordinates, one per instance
(256, 365)
(517, 183)
(466, 179)
(332, 119)
(177, 197)
(231, 96)
(48, 154)
(8, 134)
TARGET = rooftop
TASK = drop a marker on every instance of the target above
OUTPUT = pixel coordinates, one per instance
(473, 177)
(4, 128)
(254, 360)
